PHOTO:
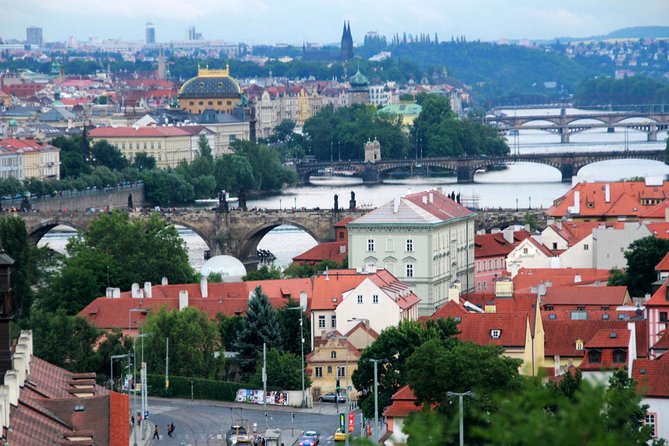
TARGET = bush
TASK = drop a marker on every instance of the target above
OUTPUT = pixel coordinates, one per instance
(203, 389)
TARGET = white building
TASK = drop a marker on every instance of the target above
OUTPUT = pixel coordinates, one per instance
(425, 239)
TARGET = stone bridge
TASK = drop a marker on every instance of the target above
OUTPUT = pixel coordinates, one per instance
(567, 163)
(237, 233)
(567, 124)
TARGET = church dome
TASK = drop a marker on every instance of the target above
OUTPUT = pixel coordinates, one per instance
(358, 80)
(211, 83)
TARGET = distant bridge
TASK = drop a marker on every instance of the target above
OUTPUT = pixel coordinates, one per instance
(567, 163)
(567, 124)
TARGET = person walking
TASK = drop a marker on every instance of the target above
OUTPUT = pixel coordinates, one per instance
(155, 433)
(171, 429)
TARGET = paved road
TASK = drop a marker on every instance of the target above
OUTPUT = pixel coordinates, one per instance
(205, 422)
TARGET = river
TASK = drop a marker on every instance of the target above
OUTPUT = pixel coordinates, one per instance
(521, 185)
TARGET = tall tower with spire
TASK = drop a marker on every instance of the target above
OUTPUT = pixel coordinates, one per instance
(346, 49)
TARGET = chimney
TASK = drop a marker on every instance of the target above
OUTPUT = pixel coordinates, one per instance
(12, 381)
(508, 234)
(148, 290)
(183, 299)
(116, 293)
(4, 406)
(27, 339)
(577, 278)
(204, 288)
(396, 205)
(424, 197)
(303, 300)
(607, 193)
(164, 281)
(454, 292)
(108, 292)
(559, 224)
(135, 293)
(431, 195)
(19, 363)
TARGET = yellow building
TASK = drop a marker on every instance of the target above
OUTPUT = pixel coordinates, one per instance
(212, 89)
(334, 357)
(29, 158)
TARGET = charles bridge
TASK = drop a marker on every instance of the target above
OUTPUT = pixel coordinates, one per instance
(238, 232)
(567, 163)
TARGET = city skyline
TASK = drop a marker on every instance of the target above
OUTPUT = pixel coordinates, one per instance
(264, 21)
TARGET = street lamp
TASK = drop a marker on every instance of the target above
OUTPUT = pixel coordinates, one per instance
(345, 338)
(142, 379)
(301, 348)
(376, 398)
(111, 375)
(460, 395)
(134, 385)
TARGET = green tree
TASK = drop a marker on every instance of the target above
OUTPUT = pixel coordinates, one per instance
(164, 188)
(263, 273)
(394, 346)
(642, 255)
(117, 250)
(261, 326)
(143, 161)
(283, 371)
(193, 346)
(105, 154)
(234, 173)
(229, 328)
(289, 319)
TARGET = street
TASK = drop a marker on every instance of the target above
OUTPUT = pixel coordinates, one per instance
(206, 422)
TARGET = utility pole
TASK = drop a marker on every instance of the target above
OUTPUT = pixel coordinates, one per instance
(167, 363)
(376, 398)
(264, 381)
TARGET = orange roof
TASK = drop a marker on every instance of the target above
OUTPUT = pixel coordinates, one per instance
(495, 245)
(660, 298)
(531, 277)
(324, 251)
(24, 145)
(659, 229)
(652, 376)
(561, 335)
(610, 338)
(664, 263)
(573, 232)
(139, 132)
(624, 199)
(663, 341)
(403, 403)
(586, 295)
(478, 328)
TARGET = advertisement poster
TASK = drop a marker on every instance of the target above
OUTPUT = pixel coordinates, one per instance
(256, 397)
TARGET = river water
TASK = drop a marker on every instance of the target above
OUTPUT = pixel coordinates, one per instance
(520, 185)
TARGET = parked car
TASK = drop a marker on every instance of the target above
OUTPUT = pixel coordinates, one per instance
(339, 435)
(330, 398)
(310, 438)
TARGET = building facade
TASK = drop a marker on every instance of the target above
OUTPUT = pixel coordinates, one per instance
(426, 240)
(28, 158)
(212, 89)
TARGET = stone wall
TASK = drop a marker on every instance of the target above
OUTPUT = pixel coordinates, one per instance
(111, 198)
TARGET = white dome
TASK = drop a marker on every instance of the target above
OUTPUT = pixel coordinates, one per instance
(229, 267)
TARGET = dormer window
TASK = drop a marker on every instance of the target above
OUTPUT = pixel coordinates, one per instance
(594, 356)
(495, 333)
(619, 356)
(579, 344)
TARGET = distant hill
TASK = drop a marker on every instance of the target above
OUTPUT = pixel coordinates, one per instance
(635, 32)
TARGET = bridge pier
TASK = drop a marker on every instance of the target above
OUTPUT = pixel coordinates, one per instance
(567, 171)
(611, 130)
(465, 175)
(564, 135)
(371, 175)
(652, 133)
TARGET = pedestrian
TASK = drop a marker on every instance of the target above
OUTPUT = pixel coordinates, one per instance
(132, 420)
(172, 428)
(169, 430)
(155, 433)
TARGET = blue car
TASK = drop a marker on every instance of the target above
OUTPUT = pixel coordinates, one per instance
(310, 438)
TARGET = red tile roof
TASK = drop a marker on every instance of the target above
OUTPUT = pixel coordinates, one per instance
(324, 251)
(609, 338)
(586, 295)
(403, 403)
(652, 376)
(664, 263)
(663, 341)
(625, 199)
(138, 132)
(477, 328)
(660, 298)
(24, 145)
(495, 245)
(531, 277)
(441, 206)
(659, 230)
(573, 232)
(561, 335)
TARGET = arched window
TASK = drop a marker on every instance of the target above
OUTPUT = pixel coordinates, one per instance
(619, 356)
(329, 370)
(595, 356)
(579, 344)
(333, 354)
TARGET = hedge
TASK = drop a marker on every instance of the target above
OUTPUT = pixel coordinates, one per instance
(203, 389)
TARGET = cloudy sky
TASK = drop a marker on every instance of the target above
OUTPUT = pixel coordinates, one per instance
(295, 21)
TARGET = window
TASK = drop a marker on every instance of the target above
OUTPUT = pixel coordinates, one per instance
(495, 333)
(233, 138)
(554, 245)
(200, 103)
(210, 103)
(375, 298)
(525, 251)
(619, 356)
(321, 321)
(219, 102)
(409, 270)
(548, 307)
(333, 354)
(229, 102)
(370, 244)
(650, 421)
(579, 344)
(341, 371)
(359, 298)
(333, 321)
(595, 356)
(191, 102)
(318, 372)
(390, 244)
(586, 247)
(409, 245)
(329, 370)
(663, 316)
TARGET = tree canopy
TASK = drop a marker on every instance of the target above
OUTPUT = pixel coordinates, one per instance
(642, 255)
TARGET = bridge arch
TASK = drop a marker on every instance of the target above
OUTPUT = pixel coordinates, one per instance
(211, 245)
(249, 244)
(581, 165)
(39, 230)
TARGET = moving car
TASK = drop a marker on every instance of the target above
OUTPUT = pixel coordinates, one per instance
(310, 438)
(330, 398)
(339, 435)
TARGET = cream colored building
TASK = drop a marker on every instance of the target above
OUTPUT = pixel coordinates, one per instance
(28, 158)
(271, 110)
(334, 357)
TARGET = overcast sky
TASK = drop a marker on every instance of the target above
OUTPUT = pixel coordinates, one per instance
(295, 21)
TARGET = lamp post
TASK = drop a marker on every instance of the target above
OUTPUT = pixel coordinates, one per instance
(460, 396)
(376, 398)
(142, 379)
(134, 385)
(301, 348)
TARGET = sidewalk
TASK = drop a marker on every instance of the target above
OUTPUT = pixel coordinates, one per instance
(148, 435)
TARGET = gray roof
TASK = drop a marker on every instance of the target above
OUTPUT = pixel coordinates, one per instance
(407, 213)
